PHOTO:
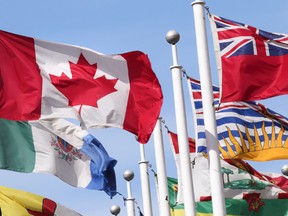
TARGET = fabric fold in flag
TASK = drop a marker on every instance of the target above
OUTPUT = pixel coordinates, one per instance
(173, 138)
(237, 182)
(252, 63)
(39, 150)
(22, 203)
(246, 130)
(45, 80)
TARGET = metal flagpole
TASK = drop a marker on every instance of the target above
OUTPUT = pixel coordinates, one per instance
(164, 207)
(128, 176)
(173, 37)
(145, 184)
(217, 192)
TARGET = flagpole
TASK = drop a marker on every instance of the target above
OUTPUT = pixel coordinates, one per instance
(128, 176)
(145, 184)
(217, 192)
(164, 207)
(173, 37)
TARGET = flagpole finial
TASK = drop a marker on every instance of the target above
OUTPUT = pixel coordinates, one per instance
(115, 210)
(128, 175)
(284, 170)
(172, 37)
(198, 2)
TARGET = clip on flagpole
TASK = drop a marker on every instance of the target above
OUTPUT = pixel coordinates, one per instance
(173, 37)
(163, 201)
(128, 176)
(217, 191)
(145, 184)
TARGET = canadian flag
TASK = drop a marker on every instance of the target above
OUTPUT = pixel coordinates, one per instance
(42, 80)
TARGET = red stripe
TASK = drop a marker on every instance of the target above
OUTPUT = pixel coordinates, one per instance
(20, 80)
(205, 198)
(197, 95)
(145, 97)
(283, 196)
(194, 80)
(232, 33)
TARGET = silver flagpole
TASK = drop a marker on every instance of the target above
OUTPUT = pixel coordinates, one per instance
(173, 37)
(217, 192)
(164, 207)
(145, 184)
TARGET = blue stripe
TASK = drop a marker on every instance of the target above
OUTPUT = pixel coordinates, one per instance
(101, 166)
(198, 105)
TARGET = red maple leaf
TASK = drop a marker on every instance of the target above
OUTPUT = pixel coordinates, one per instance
(82, 88)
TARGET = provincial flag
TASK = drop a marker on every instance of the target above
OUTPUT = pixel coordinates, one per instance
(234, 207)
(22, 203)
(252, 63)
(246, 130)
(41, 80)
(273, 185)
(30, 147)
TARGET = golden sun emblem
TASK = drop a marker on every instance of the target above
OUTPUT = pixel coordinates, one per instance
(270, 149)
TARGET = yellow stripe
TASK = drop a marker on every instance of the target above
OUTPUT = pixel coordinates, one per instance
(181, 212)
(15, 202)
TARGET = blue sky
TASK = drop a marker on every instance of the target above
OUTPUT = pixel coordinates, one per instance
(113, 27)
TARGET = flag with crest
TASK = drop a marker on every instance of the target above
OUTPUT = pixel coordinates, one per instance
(29, 147)
(248, 131)
(247, 206)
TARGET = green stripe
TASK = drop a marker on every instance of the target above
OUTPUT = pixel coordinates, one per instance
(240, 207)
(17, 151)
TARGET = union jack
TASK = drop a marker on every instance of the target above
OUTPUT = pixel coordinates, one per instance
(236, 38)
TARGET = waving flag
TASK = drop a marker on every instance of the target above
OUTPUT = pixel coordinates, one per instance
(18, 202)
(30, 147)
(244, 187)
(237, 182)
(234, 207)
(45, 80)
(245, 130)
(252, 63)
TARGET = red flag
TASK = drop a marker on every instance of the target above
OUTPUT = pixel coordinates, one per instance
(253, 63)
(45, 80)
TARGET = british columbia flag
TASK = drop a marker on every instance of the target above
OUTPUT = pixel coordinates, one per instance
(252, 63)
(250, 125)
